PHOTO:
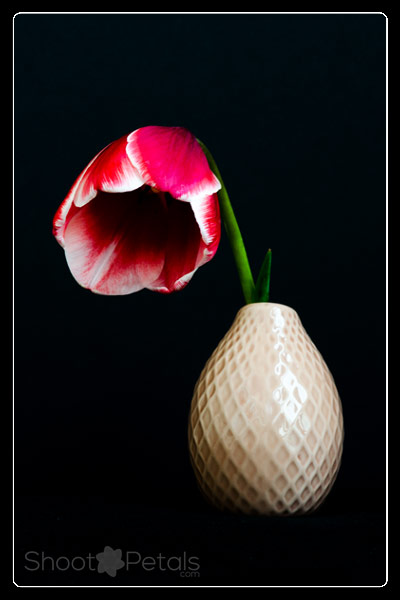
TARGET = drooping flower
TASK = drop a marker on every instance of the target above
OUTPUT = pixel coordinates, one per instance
(144, 213)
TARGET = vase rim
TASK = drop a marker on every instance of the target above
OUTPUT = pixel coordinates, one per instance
(266, 305)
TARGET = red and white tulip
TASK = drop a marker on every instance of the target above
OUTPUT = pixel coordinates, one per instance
(144, 213)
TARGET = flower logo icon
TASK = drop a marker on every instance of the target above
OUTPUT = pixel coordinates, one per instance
(109, 561)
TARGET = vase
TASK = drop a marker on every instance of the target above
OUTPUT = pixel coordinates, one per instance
(266, 425)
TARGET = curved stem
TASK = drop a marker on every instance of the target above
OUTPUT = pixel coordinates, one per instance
(233, 232)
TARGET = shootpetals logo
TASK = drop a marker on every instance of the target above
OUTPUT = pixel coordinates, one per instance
(111, 561)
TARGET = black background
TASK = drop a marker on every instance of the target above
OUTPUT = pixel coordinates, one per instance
(293, 109)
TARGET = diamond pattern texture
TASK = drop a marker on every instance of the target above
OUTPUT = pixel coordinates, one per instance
(266, 425)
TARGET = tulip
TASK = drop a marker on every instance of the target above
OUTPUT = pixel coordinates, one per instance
(144, 213)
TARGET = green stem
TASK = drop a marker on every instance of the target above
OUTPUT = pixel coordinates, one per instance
(233, 232)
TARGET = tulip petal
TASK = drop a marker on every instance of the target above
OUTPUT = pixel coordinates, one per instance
(185, 250)
(109, 171)
(115, 245)
(207, 215)
(171, 159)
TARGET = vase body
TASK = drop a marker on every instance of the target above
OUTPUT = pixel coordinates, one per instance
(265, 424)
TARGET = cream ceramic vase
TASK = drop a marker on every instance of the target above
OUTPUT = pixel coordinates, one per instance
(266, 425)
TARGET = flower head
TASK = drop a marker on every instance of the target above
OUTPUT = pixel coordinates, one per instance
(144, 213)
